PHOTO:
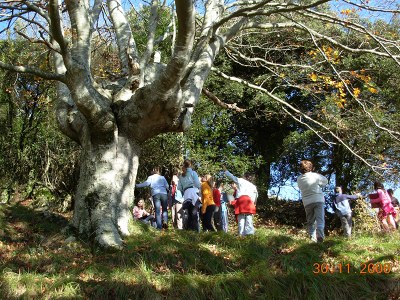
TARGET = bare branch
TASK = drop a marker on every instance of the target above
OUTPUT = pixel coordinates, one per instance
(151, 35)
(37, 41)
(184, 43)
(128, 53)
(372, 8)
(33, 71)
(221, 103)
(95, 14)
(295, 110)
(43, 13)
(393, 133)
(55, 27)
(256, 10)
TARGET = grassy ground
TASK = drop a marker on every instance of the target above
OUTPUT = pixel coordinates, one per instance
(276, 263)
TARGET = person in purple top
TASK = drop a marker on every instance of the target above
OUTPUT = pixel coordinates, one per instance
(343, 210)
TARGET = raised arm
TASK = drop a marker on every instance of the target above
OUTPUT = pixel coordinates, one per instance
(231, 176)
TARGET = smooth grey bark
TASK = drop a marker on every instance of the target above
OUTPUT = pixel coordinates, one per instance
(105, 190)
(111, 126)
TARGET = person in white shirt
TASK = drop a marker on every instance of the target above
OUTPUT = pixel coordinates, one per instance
(310, 185)
(244, 203)
(176, 201)
(159, 193)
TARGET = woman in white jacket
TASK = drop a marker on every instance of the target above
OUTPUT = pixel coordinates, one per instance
(310, 185)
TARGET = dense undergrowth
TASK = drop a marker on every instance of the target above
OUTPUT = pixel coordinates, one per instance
(278, 262)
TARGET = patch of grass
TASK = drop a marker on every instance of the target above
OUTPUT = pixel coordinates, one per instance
(275, 263)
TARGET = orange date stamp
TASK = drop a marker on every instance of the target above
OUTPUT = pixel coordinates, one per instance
(342, 268)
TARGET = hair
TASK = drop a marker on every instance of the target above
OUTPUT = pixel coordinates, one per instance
(338, 189)
(209, 180)
(176, 171)
(249, 176)
(306, 166)
(156, 170)
(390, 192)
(137, 201)
(186, 164)
(219, 183)
(378, 185)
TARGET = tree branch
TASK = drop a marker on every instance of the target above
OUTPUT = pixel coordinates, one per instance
(295, 110)
(220, 103)
(55, 28)
(184, 43)
(33, 71)
(128, 53)
(393, 133)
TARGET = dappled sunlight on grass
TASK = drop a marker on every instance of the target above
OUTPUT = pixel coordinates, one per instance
(275, 263)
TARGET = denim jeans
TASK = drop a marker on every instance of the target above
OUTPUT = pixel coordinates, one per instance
(160, 201)
(224, 217)
(315, 215)
(192, 214)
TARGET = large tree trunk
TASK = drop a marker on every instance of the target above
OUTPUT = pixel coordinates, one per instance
(105, 190)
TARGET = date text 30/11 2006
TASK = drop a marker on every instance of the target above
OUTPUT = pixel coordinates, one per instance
(342, 268)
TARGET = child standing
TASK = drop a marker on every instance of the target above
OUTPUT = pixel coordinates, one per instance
(246, 196)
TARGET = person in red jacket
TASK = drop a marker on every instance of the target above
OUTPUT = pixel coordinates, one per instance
(245, 208)
(217, 200)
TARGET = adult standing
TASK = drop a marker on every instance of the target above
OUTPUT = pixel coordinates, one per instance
(189, 185)
(387, 213)
(246, 197)
(159, 193)
(310, 184)
(176, 201)
(343, 210)
(208, 205)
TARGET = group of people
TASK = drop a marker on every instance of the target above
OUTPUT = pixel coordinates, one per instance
(195, 200)
(311, 185)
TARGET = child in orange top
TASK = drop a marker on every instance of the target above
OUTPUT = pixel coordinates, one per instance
(208, 205)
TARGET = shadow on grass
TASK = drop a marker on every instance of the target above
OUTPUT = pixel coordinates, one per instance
(37, 263)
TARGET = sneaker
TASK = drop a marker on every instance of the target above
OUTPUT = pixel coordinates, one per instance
(320, 239)
(165, 226)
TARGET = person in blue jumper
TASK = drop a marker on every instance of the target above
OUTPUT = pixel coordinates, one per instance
(159, 192)
(343, 209)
